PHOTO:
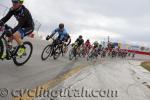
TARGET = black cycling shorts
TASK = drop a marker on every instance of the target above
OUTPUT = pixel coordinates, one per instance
(25, 31)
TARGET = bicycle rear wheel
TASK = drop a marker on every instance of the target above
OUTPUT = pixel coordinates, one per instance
(57, 52)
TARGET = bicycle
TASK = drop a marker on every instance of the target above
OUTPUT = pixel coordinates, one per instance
(93, 54)
(103, 53)
(11, 52)
(64, 46)
(84, 50)
(53, 49)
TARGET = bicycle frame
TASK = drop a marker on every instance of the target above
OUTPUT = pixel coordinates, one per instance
(7, 51)
(3, 46)
(3, 40)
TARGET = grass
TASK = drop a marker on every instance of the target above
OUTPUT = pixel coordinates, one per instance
(146, 65)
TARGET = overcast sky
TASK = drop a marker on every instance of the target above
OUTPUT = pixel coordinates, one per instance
(122, 20)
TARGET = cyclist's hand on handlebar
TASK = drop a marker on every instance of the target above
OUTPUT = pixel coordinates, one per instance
(63, 41)
(48, 37)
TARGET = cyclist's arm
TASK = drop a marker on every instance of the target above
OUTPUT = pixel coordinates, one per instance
(77, 40)
(6, 18)
(82, 42)
(53, 33)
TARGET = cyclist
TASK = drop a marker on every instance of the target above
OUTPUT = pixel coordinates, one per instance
(87, 46)
(80, 42)
(96, 45)
(25, 24)
(63, 34)
(95, 48)
(63, 38)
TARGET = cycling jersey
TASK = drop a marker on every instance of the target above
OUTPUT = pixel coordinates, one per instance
(79, 41)
(96, 45)
(63, 35)
(23, 17)
(87, 43)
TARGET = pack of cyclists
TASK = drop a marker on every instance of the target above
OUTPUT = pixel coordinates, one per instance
(26, 26)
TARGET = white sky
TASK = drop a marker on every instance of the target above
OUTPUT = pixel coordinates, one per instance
(122, 20)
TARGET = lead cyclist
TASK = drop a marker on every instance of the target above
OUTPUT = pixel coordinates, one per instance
(25, 24)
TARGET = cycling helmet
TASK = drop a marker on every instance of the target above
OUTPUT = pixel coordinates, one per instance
(80, 36)
(17, 1)
(61, 25)
(95, 43)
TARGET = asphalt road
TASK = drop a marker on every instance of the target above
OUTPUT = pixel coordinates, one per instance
(36, 72)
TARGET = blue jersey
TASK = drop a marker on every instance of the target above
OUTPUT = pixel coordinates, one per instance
(62, 33)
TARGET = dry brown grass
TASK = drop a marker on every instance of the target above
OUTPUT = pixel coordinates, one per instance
(146, 65)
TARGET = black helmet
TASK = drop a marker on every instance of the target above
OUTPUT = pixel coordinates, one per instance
(17, 1)
(80, 36)
(61, 25)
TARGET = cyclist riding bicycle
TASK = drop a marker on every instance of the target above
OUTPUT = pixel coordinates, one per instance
(25, 24)
(63, 34)
(96, 44)
(79, 41)
(87, 44)
(95, 47)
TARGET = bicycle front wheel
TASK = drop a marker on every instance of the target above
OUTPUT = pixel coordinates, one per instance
(46, 52)
(21, 60)
(71, 54)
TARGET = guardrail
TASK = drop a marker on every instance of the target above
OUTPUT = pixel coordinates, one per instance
(139, 52)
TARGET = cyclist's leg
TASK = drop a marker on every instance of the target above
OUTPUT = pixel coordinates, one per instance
(76, 50)
(18, 36)
(23, 32)
(27, 31)
(60, 43)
